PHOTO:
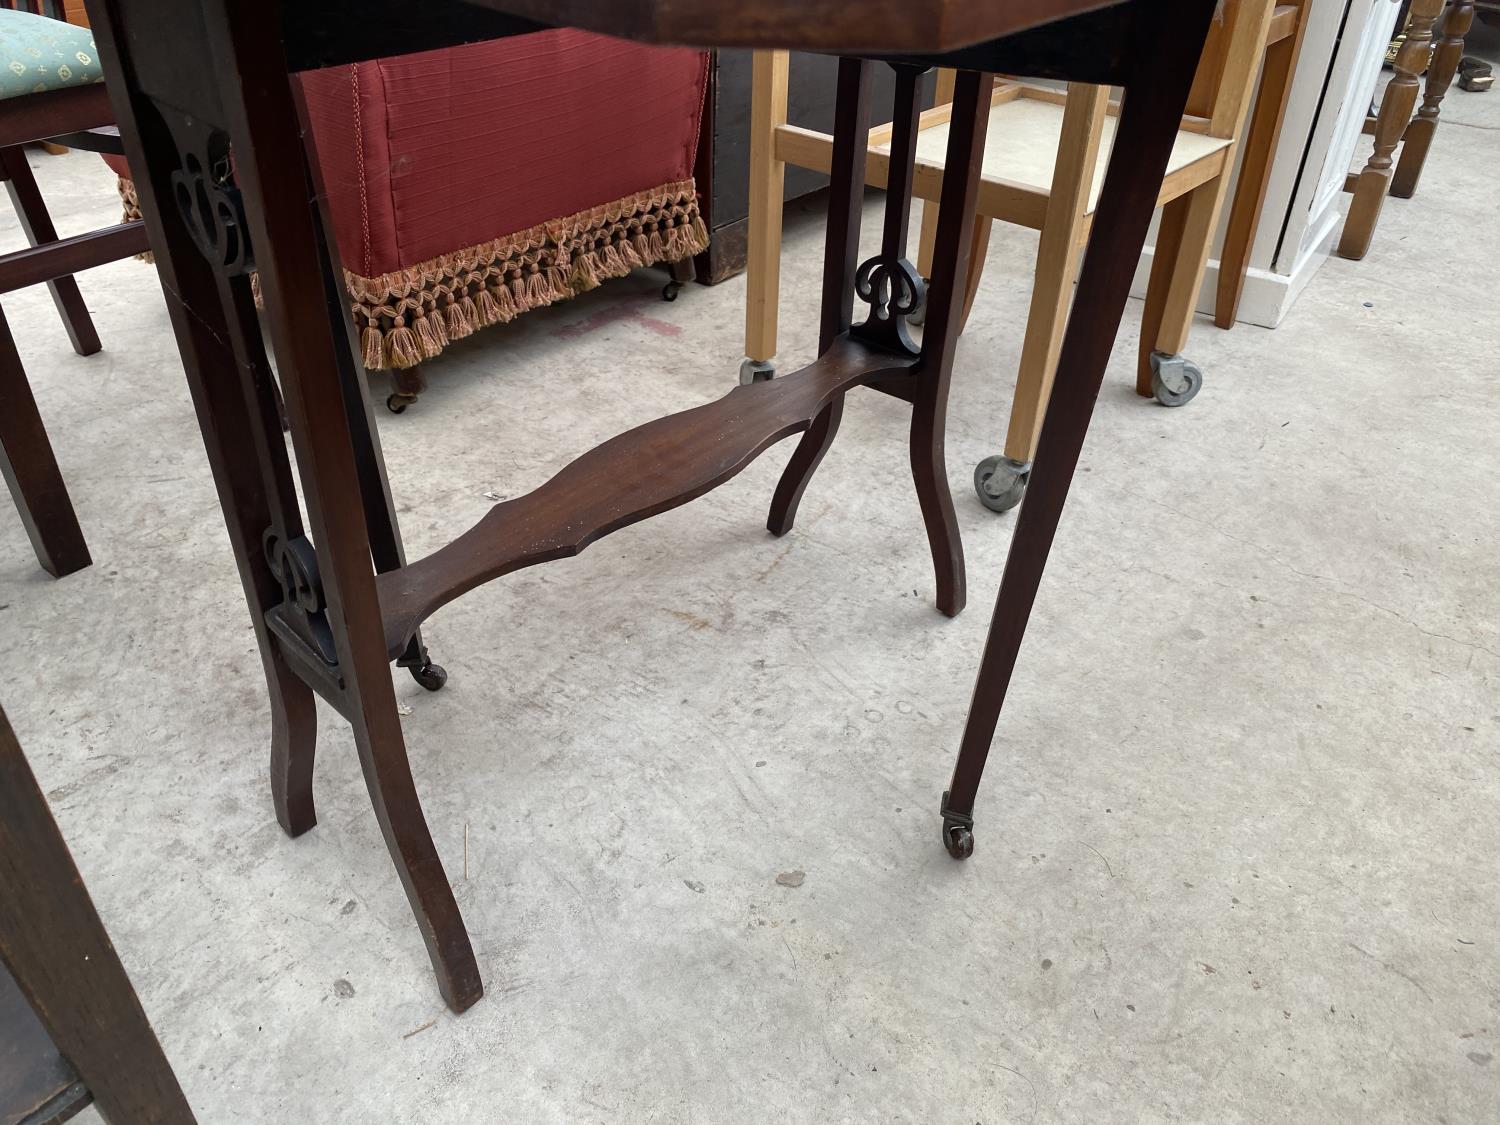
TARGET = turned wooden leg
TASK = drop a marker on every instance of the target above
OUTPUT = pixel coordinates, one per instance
(38, 228)
(31, 472)
(1057, 256)
(1449, 49)
(841, 249)
(1155, 93)
(1372, 184)
(768, 99)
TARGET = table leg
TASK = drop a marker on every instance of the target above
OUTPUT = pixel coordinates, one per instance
(841, 251)
(953, 245)
(1156, 92)
(315, 610)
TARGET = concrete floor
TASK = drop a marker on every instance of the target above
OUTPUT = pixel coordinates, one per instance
(1237, 846)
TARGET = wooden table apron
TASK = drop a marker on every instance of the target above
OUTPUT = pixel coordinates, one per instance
(193, 80)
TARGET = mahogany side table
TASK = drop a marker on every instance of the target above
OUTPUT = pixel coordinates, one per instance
(332, 597)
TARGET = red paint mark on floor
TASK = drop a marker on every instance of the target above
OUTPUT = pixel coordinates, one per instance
(628, 311)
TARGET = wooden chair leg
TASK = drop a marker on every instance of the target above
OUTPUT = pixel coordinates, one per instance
(1262, 134)
(1051, 296)
(926, 236)
(1173, 310)
(57, 950)
(1001, 480)
(1163, 265)
(31, 472)
(1372, 184)
(767, 184)
(38, 228)
(1417, 140)
(979, 248)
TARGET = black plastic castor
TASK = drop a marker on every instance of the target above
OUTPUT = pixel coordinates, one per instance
(1174, 380)
(397, 403)
(1000, 482)
(670, 290)
(958, 832)
(431, 676)
(756, 371)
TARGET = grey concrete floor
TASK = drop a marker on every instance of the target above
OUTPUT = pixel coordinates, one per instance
(1236, 850)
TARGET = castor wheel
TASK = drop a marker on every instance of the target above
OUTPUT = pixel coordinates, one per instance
(398, 402)
(431, 676)
(756, 371)
(958, 832)
(1000, 482)
(670, 290)
(1174, 380)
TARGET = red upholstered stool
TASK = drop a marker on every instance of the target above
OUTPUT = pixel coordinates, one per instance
(470, 185)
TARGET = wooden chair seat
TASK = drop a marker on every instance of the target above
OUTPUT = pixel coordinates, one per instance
(1043, 167)
(39, 54)
(1025, 133)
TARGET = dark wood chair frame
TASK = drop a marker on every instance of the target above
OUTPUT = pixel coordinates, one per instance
(72, 1031)
(26, 458)
(329, 618)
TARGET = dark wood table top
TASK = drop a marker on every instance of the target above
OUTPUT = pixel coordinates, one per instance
(875, 27)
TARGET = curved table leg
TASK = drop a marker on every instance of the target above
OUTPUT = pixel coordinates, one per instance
(841, 247)
(1154, 100)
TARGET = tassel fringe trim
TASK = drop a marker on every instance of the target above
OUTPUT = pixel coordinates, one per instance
(409, 316)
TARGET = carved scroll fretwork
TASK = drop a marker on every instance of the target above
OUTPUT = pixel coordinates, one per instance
(206, 196)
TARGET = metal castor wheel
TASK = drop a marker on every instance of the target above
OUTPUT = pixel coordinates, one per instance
(1174, 380)
(756, 371)
(1000, 482)
(431, 676)
(958, 832)
(670, 290)
(398, 402)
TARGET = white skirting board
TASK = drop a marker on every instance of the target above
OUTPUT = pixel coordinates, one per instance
(1267, 296)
